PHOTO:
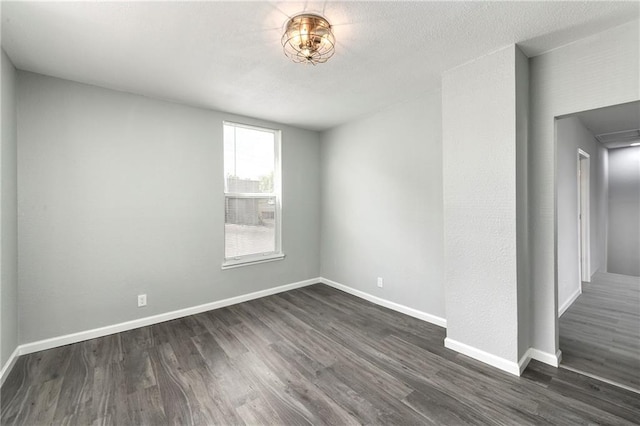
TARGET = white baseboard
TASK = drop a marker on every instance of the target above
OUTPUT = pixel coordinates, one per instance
(503, 364)
(524, 361)
(4, 372)
(155, 319)
(538, 355)
(387, 303)
(511, 367)
(562, 309)
(546, 357)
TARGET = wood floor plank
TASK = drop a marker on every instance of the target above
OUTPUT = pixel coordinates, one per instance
(77, 385)
(298, 359)
(47, 401)
(439, 408)
(220, 332)
(275, 392)
(213, 400)
(600, 332)
(227, 382)
(346, 397)
(313, 355)
(389, 409)
(258, 412)
(15, 391)
(177, 405)
(145, 407)
(303, 390)
(109, 403)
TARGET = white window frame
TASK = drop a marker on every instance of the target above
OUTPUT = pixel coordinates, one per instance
(276, 254)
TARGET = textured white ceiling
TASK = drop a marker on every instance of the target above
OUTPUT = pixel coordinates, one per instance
(617, 118)
(227, 55)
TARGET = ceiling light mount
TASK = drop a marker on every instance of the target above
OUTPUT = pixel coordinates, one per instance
(308, 39)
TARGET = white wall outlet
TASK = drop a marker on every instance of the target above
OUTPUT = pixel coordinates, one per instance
(142, 300)
(380, 282)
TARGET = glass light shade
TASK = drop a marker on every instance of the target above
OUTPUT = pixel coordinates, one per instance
(308, 39)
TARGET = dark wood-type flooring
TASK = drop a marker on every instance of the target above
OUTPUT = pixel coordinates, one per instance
(600, 332)
(309, 356)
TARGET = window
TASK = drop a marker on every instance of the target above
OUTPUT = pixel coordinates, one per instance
(252, 206)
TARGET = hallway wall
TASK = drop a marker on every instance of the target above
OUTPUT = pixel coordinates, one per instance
(571, 136)
(624, 211)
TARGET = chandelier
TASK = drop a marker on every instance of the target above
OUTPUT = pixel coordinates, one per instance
(308, 39)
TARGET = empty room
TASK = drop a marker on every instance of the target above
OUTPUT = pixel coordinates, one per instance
(321, 212)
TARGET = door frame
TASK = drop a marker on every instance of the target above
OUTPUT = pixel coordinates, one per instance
(584, 219)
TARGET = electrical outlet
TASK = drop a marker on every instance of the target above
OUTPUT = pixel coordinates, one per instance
(142, 300)
(380, 282)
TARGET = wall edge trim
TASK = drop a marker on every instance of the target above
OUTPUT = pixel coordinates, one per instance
(8, 366)
(524, 361)
(546, 357)
(562, 309)
(412, 312)
(80, 336)
(500, 363)
(538, 355)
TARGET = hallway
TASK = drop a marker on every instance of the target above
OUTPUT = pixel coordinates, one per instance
(600, 332)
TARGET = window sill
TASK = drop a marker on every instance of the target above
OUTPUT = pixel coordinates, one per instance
(237, 263)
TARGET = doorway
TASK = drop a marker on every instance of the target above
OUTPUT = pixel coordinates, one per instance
(598, 243)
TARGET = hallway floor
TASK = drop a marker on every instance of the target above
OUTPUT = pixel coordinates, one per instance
(600, 332)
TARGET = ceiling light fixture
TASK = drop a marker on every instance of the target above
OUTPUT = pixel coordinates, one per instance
(635, 144)
(308, 39)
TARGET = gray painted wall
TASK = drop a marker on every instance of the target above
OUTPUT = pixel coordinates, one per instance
(8, 210)
(602, 228)
(479, 130)
(382, 204)
(121, 194)
(571, 135)
(597, 71)
(624, 211)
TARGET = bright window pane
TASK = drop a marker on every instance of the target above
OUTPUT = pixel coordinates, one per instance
(251, 176)
(249, 226)
(249, 159)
